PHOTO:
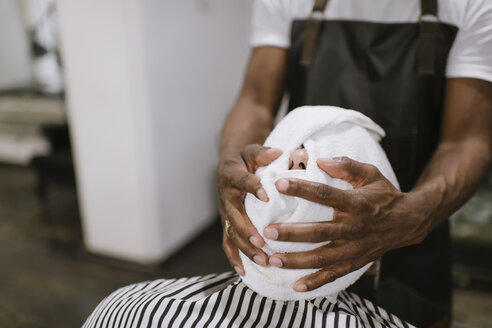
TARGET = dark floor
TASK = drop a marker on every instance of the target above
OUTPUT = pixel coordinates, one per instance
(47, 280)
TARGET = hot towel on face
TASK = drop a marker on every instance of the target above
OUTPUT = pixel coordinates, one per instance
(325, 132)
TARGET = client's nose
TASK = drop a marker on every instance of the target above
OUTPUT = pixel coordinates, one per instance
(298, 159)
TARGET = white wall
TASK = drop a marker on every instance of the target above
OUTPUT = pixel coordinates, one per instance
(195, 56)
(149, 84)
(15, 66)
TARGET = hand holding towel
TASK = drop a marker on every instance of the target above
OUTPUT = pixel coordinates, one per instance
(325, 132)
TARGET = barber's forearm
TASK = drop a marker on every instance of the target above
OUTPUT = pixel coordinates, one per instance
(251, 119)
(247, 123)
(460, 160)
(449, 180)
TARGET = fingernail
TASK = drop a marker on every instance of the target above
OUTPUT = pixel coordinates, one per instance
(238, 270)
(282, 185)
(271, 233)
(259, 260)
(275, 261)
(255, 241)
(326, 161)
(262, 195)
(300, 288)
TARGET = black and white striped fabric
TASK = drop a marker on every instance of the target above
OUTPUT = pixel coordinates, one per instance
(222, 300)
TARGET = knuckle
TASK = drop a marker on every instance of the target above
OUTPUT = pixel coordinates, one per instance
(351, 267)
(293, 187)
(230, 213)
(243, 231)
(258, 155)
(249, 252)
(345, 162)
(285, 234)
(248, 182)
(356, 229)
(319, 234)
(225, 197)
(249, 231)
(329, 275)
(229, 181)
(222, 183)
(249, 148)
(253, 182)
(339, 230)
(231, 235)
(318, 260)
(372, 168)
(312, 284)
(227, 245)
(242, 181)
(339, 216)
(227, 167)
(359, 202)
(321, 191)
(251, 151)
(372, 171)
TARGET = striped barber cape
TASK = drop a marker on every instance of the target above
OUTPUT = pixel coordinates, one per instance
(223, 300)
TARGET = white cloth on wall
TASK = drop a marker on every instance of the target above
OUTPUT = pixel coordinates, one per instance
(470, 54)
(325, 132)
(42, 20)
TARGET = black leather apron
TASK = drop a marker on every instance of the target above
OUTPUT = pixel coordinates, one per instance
(395, 74)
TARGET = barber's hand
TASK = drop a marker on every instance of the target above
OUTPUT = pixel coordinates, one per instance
(369, 220)
(235, 178)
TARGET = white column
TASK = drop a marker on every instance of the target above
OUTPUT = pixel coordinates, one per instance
(149, 84)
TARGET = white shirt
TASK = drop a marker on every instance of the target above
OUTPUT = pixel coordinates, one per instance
(471, 53)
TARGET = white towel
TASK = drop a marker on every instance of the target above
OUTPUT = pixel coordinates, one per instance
(325, 132)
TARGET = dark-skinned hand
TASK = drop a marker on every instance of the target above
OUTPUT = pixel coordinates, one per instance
(235, 178)
(368, 221)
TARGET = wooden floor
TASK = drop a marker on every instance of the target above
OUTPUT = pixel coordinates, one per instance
(47, 280)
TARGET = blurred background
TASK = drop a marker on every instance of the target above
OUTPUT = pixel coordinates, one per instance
(110, 114)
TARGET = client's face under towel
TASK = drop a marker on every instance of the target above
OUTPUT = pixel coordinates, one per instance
(324, 132)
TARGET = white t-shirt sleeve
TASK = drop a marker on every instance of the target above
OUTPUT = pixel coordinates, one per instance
(471, 54)
(270, 24)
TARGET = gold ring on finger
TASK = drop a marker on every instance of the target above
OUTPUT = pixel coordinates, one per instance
(227, 226)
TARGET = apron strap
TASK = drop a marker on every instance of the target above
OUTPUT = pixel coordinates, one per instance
(320, 5)
(427, 37)
(429, 7)
(311, 32)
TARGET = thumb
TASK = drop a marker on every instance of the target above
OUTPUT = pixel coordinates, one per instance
(256, 155)
(356, 173)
